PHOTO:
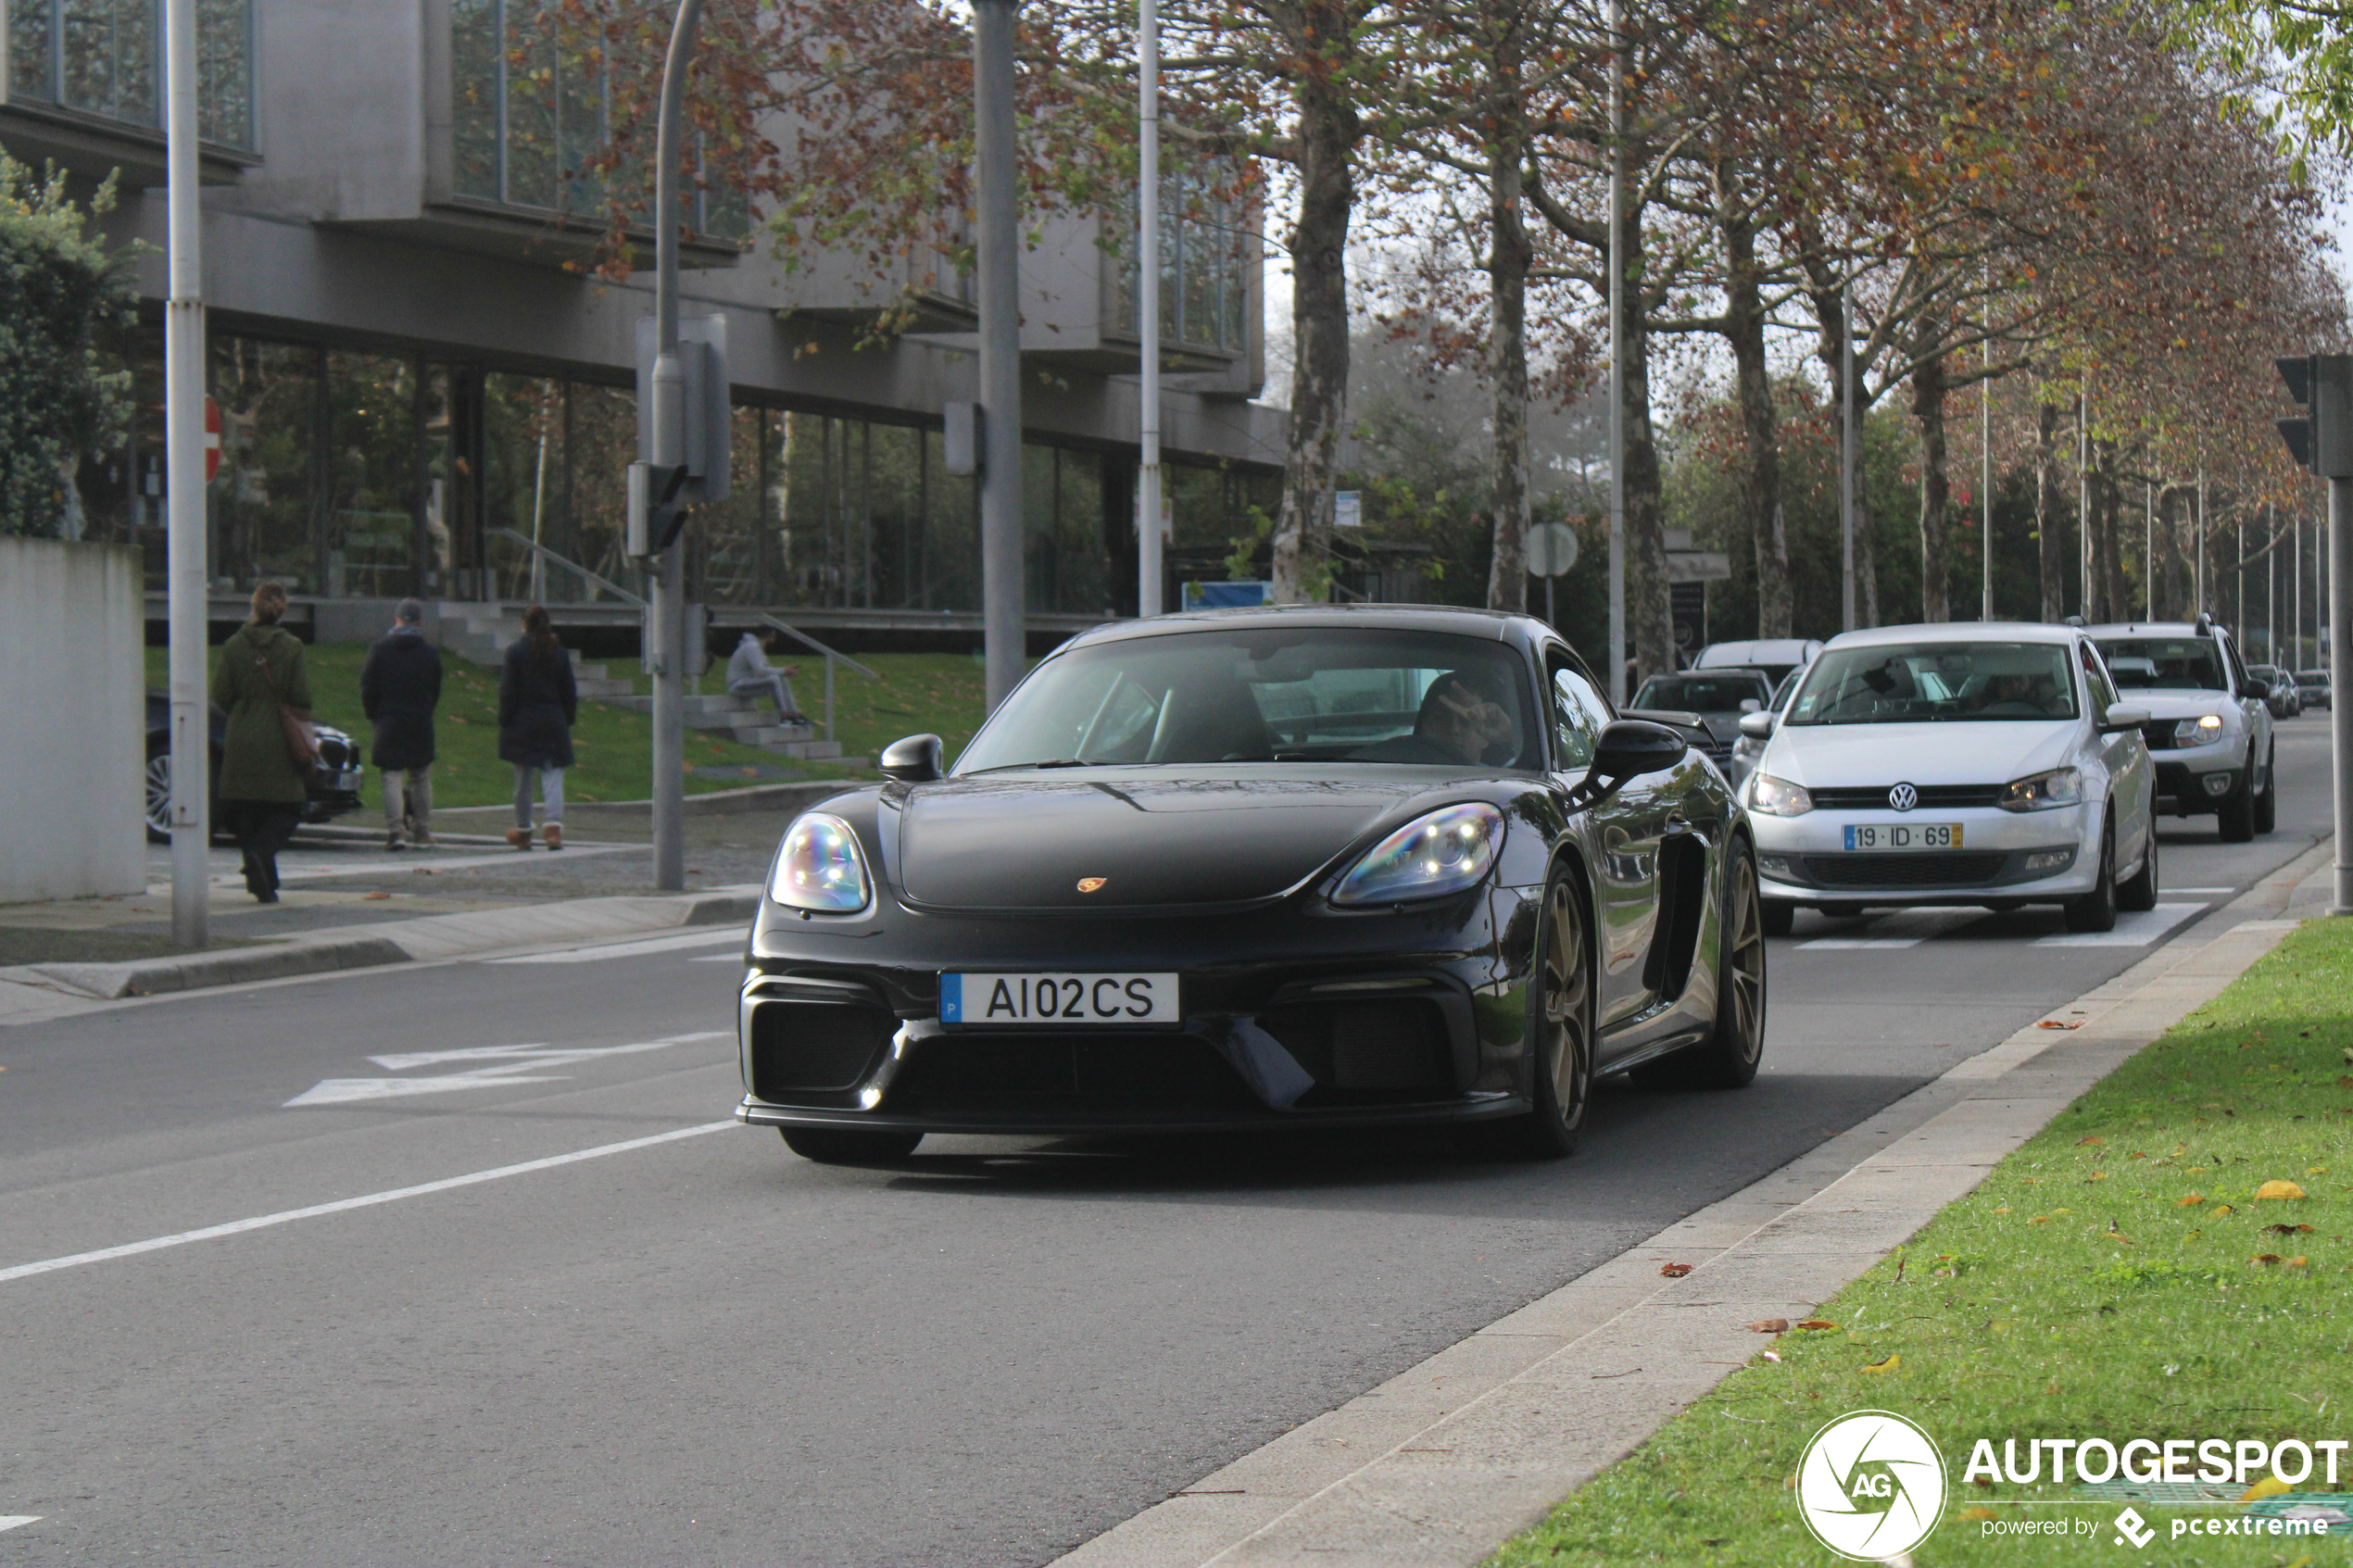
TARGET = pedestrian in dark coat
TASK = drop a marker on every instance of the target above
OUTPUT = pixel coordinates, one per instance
(399, 686)
(262, 789)
(537, 703)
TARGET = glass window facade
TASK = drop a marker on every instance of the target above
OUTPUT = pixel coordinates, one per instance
(1206, 249)
(531, 99)
(105, 57)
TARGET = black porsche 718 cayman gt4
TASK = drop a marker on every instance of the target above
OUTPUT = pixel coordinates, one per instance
(1294, 867)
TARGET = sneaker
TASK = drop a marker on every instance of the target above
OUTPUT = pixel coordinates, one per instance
(394, 841)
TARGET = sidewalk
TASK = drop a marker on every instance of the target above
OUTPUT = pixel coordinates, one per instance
(1442, 1463)
(346, 902)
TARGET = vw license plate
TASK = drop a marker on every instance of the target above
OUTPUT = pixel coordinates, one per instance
(1903, 836)
(1094, 999)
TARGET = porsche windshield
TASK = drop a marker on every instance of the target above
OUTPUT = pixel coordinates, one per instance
(2192, 664)
(1933, 681)
(1272, 694)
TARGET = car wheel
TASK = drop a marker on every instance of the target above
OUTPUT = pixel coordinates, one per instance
(2096, 911)
(2266, 804)
(1560, 1034)
(2139, 894)
(830, 1145)
(158, 777)
(1729, 1058)
(2236, 818)
(1776, 917)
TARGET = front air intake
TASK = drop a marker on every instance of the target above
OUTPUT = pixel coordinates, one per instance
(815, 1047)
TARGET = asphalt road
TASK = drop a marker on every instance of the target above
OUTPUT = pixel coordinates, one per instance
(702, 1351)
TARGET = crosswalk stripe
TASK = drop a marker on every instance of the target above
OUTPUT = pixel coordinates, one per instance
(2132, 930)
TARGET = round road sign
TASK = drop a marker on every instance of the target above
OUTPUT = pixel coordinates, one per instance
(1551, 549)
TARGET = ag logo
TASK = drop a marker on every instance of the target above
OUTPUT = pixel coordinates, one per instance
(1870, 1486)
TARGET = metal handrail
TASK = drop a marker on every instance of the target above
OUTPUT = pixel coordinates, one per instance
(615, 589)
(831, 656)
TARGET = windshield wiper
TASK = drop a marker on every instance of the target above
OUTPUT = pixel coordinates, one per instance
(1053, 762)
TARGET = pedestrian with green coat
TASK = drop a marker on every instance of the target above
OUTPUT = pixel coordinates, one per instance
(262, 785)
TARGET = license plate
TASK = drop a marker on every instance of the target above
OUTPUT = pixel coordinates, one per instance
(1093, 999)
(1903, 836)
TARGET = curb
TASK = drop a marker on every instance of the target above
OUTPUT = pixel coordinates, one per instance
(391, 942)
(1440, 1464)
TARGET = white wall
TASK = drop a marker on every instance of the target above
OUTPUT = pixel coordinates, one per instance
(72, 720)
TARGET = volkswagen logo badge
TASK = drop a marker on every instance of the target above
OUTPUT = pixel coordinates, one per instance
(1903, 797)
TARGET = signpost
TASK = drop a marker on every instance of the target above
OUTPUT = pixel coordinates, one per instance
(192, 446)
(1552, 550)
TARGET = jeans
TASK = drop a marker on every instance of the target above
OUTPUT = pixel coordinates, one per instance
(262, 828)
(551, 792)
(772, 684)
(409, 803)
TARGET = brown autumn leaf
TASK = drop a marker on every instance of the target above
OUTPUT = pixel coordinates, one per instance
(1769, 1325)
(2286, 1230)
(2080, 1142)
(2266, 1259)
(1816, 1323)
(2193, 1198)
(2298, 1261)
(1674, 1271)
(2058, 1023)
(2277, 1190)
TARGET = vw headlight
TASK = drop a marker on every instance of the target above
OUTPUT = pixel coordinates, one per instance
(820, 868)
(1443, 852)
(1778, 797)
(2043, 792)
(2204, 730)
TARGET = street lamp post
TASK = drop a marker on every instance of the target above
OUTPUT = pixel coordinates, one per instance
(1617, 356)
(1003, 619)
(186, 570)
(1149, 587)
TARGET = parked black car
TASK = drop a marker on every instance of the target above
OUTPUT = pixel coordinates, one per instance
(334, 782)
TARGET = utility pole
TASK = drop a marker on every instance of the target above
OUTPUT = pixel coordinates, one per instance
(1617, 354)
(2322, 442)
(186, 568)
(2199, 597)
(1847, 434)
(2148, 551)
(2083, 495)
(1003, 619)
(1985, 489)
(666, 624)
(1149, 588)
(2296, 530)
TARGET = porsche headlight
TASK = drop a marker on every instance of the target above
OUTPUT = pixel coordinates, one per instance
(1443, 852)
(2204, 730)
(820, 868)
(2043, 792)
(1779, 797)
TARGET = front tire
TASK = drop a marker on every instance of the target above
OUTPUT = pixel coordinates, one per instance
(2266, 804)
(2236, 818)
(833, 1146)
(1560, 1036)
(2139, 895)
(1777, 918)
(2096, 911)
(1729, 1058)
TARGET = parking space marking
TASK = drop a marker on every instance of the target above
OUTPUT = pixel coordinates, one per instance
(367, 1200)
(631, 949)
(2132, 930)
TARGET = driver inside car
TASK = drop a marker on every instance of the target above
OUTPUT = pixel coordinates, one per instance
(1460, 721)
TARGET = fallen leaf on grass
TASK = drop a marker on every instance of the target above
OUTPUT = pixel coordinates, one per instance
(1890, 1365)
(1674, 1271)
(2266, 1259)
(2299, 1262)
(2080, 1142)
(1768, 1326)
(2039, 1220)
(1816, 1323)
(1772, 1355)
(2269, 1487)
(2276, 1189)
(2221, 1209)
(2287, 1230)
(1974, 1514)
(2096, 1176)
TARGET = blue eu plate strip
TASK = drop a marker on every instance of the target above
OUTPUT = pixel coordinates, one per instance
(1850, 835)
(952, 999)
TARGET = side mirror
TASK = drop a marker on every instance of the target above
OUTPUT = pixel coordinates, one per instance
(2121, 716)
(2260, 690)
(913, 759)
(1750, 705)
(1633, 746)
(1757, 726)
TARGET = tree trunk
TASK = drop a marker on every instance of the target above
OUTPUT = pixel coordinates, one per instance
(1508, 260)
(1929, 392)
(2110, 499)
(1327, 139)
(2174, 576)
(1761, 444)
(1649, 619)
(2049, 499)
(1822, 293)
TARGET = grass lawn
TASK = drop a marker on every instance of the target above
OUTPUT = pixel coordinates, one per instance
(938, 692)
(2118, 1276)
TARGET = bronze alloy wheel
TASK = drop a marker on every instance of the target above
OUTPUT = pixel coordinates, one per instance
(1560, 1042)
(1741, 985)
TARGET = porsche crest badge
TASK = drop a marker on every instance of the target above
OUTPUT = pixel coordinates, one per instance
(1092, 884)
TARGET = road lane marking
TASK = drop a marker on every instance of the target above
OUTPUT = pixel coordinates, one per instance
(2201, 890)
(508, 1064)
(10, 1521)
(2132, 930)
(719, 958)
(1905, 928)
(629, 950)
(368, 1200)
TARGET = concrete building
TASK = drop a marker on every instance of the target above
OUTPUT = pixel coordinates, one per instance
(414, 375)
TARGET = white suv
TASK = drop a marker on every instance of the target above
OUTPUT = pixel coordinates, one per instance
(2209, 728)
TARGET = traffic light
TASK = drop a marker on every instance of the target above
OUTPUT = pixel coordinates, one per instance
(2322, 385)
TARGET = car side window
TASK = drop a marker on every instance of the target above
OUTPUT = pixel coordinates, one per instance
(1579, 714)
(2096, 677)
(2238, 667)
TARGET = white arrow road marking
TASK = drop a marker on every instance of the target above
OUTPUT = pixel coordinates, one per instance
(631, 949)
(10, 1521)
(510, 1064)
(260, 1222)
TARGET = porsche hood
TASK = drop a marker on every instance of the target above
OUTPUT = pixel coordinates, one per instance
(1031, 843)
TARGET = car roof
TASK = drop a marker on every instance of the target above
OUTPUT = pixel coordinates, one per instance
(2153, 629)
(1717, 655)
(1491, 624)
(1958, 631)
(1711, 672)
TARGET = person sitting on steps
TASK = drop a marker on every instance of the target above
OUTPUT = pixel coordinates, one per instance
(751, 674)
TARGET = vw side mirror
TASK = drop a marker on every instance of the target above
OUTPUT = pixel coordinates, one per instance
(1632, 746)
(2122, 716)
(913, 759)
(1750, 705)
(1757, 726)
